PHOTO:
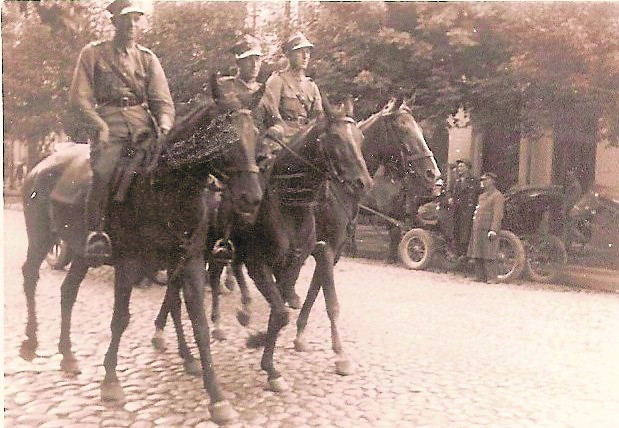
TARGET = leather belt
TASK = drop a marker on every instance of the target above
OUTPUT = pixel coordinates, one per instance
(122, 102)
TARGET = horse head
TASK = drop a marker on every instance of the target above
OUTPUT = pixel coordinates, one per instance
(341, 147)
(395, 140)
(220, 138)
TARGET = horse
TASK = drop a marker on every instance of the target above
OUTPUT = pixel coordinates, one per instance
(392, 139)
(395, 143)
(284, 234)
(162, 222)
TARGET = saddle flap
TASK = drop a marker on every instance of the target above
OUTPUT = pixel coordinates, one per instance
(74, 182)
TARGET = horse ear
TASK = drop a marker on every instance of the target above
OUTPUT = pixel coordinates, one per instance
(349, 106)
(409, 101)
(398, 103)
(215, 90)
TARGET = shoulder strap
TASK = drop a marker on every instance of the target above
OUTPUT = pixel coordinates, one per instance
(302, 100)
(126, 80)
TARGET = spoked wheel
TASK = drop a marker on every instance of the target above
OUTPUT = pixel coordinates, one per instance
(546, 255)
(59, 255)
(417, 248)
(511, 257)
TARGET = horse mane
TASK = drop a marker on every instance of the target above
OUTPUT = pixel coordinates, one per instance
(204, 133)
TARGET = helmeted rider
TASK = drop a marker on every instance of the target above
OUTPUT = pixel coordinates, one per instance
(290, 99)
(120, 91)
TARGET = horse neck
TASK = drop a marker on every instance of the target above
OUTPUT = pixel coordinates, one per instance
(376, 138)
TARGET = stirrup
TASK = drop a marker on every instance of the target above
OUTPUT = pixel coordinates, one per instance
(223, 250)
(98, 246)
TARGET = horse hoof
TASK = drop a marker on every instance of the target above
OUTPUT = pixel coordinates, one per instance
(278, 384)
(112, 391)
(218, 334)
(70, 365)
(294, 302)
(193, 367)
(159, 343)
(222, 412)
(243, 317)
(343, 368)
(27, 351)
(300, 345)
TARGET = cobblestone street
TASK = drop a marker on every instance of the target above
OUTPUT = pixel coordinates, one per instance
(430, 350)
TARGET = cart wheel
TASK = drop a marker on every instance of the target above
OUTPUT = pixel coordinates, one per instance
(417, 248)
(511, 257)
(546, 255)
(59, 255)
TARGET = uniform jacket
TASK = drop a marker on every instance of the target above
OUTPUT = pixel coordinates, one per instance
(244, 91)
(289, 99)
(97, 89)
(488, 216)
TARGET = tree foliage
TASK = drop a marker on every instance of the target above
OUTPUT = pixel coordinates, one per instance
(518, 66)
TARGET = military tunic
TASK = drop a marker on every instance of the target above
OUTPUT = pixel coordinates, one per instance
(290, 99)
(488, 216)
(244, 91)
(123, 104)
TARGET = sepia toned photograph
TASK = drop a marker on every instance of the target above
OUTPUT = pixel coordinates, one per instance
(290, 214)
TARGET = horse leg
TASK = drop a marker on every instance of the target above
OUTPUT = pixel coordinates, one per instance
(230, 279)
(158, 340)
(278, 318)
(193, 287)
(30, 270)
(214, 271)
(243, 315)
(300, 343)
(68, 295)
(286, 283)
(325, 261)
(127, 272)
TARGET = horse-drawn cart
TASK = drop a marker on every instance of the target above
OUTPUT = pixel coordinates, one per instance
(528, 241)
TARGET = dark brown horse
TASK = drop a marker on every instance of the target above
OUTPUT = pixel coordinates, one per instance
(284, 235)
(162, 222)
(394, 140)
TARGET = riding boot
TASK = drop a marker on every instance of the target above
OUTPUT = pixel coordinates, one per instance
(98, 244)
(480, 271)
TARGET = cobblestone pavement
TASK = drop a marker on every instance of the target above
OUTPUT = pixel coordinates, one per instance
(430, 350)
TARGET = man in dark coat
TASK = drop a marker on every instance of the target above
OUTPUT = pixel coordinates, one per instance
(487, 219)
(120, 91)
(464, 191)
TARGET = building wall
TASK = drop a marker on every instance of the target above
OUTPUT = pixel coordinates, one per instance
(607, 166)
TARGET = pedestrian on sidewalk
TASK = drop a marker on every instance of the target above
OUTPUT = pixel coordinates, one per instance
(487, 219)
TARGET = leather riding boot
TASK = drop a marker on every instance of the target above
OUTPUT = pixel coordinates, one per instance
(98, 244)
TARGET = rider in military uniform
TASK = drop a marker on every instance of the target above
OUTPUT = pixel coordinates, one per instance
(247, 53)
(290, 99)
(120, 91)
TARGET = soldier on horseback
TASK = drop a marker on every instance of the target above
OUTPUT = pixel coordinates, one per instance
(290, 99)
(247, 53)
(120, 91)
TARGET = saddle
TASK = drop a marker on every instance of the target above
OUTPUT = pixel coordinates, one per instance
(74, 182)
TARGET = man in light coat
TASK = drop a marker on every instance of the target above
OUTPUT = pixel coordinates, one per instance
(483, 246)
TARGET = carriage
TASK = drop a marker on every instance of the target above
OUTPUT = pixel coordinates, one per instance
(528, 242)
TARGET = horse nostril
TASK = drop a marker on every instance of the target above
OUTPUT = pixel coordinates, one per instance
(430, 174)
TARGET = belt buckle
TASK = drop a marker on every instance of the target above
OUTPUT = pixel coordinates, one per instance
(124, 102)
